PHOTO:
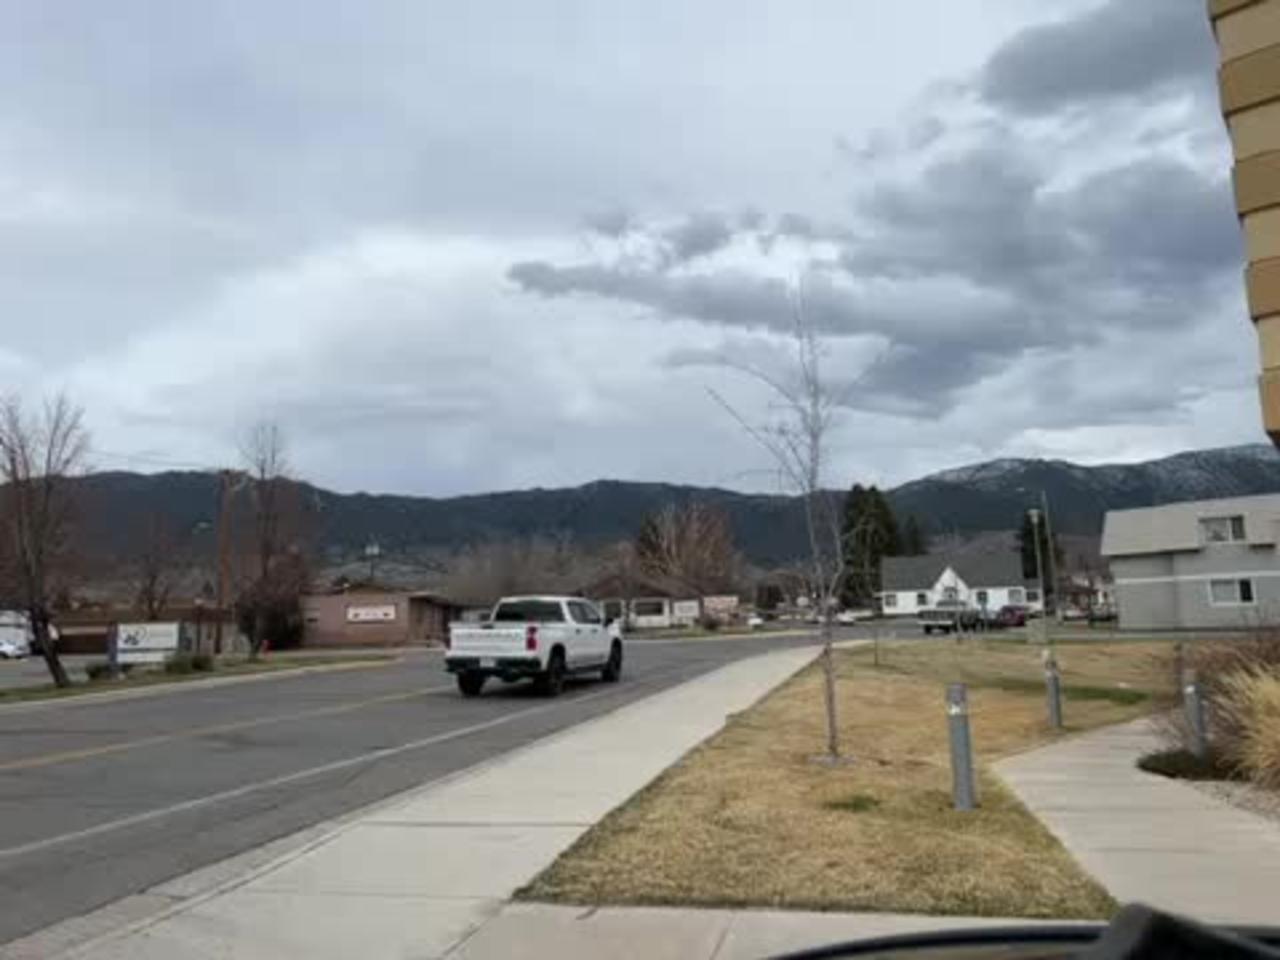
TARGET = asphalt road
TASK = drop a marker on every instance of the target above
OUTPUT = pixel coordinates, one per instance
(102, 800)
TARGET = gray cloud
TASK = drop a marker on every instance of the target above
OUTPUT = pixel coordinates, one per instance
(697, 236)
(965, 267)
(613, 223)
(1123, 49)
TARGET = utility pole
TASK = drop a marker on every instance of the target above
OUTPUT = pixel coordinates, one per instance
(223, 548)
(1053, 561)
(1035, 534)
(372, 551)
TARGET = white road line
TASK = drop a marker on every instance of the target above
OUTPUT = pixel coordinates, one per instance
(249, 788)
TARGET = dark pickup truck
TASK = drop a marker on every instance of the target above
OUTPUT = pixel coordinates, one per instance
(949, 617)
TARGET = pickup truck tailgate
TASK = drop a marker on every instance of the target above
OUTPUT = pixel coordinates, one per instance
(469, 641)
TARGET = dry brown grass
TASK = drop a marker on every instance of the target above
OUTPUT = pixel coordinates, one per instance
(1252, 699)
(748, 819)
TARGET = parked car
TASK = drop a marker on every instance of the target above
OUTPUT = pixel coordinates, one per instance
(1072, 612)
(545, 639)
(15, 637)
(947, 617)
(848, 617)
(755, 621)
(1102, 615)
(1012, 616)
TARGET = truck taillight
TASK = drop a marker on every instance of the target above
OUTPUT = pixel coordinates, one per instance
(531, 637)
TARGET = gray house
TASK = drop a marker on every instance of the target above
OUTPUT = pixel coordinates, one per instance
(1196, 565)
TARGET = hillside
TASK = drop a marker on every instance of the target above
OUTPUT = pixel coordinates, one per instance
(987, 496)
(990, 496)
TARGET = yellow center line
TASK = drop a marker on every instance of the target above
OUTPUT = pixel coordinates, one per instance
(66, 756)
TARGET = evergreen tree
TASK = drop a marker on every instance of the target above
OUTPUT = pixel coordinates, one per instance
(913, 539)
(1027, 547)
(870, 534)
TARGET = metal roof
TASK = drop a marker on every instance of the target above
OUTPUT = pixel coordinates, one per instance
(1176, 526)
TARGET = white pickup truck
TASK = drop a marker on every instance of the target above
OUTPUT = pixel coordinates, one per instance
(542, 638)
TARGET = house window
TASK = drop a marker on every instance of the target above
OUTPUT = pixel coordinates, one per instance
(1016, 595)
(982, 598)
(951, 593)
(1222, 529)
(1033, 596)
(922, 599)
(1230, 593)
(890, 600)
(649, 608)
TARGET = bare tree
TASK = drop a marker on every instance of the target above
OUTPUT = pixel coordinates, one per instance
(39, 454)
(278, 572)
(796, 439)
(692, 544)
(157, 567)
(481, 573)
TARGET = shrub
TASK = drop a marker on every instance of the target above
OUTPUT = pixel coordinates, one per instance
(98, 670)
(203, 663)
(180, 662)
(1216, 663)
(1251, 700)
(708, 622)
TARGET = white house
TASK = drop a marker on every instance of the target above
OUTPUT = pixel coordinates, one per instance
(982, 581)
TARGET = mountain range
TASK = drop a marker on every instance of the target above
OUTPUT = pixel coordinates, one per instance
(768, 529)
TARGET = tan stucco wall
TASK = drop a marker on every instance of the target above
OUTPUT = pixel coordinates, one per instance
(1248, 35)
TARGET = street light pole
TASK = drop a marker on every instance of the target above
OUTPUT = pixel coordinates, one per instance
(1053, 561)
(1035, 535)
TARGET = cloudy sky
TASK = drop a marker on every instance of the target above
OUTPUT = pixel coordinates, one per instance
(455, 247)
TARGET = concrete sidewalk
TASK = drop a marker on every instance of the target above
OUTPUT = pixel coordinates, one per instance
(418, 876)
(1149, 838)
(531, 930)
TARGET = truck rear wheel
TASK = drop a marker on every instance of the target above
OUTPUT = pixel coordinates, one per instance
(551, 681)
(470, 684)
(612, 671)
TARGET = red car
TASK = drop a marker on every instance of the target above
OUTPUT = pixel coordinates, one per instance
(1012, 616)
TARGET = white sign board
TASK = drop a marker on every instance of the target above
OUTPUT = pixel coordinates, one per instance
(721, 607)
(378, 613)
(146, 642)
(685, 611)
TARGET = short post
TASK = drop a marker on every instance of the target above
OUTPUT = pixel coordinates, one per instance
(1193, 704)
(962, 789)
(1053, 689)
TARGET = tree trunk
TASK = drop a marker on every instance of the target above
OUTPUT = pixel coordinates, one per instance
(40, 632)
(255, 634)
(829, 688)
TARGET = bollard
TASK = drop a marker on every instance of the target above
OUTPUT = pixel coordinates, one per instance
(962, 790)
(1053, 690)
(1193, 704)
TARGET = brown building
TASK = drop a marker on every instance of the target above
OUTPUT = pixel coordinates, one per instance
(375, 617)
(1248, 35)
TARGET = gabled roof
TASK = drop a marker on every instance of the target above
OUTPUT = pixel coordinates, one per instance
(1001, 568)
(1176, 526)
